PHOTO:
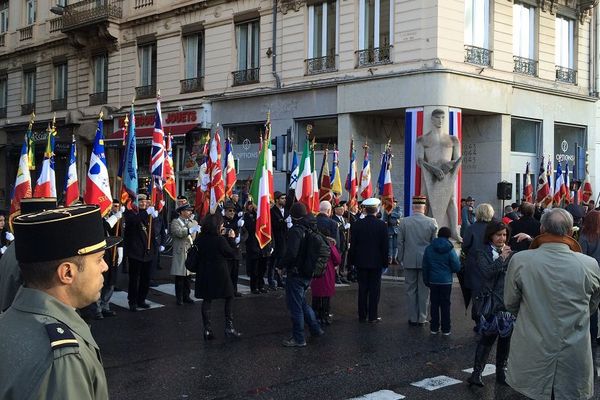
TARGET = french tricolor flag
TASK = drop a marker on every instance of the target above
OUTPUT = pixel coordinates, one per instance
(46, 183)
(72, 183)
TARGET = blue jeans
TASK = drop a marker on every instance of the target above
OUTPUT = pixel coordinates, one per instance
(295, 291)
(393, 245)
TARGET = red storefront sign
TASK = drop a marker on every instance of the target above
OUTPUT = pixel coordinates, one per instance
(177, 123)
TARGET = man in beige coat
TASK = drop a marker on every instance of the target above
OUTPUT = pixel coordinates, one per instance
(183, 232)
(552, 289)
(414, 235)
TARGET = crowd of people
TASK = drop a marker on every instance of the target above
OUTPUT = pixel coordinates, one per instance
(532, 277)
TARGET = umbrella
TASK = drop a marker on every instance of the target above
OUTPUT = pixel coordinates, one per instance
(466, 292)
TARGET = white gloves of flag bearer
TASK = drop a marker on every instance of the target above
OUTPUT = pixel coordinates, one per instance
(151, 211)
(119, 255)
(194, 229)
(2, 249)
(9, 236)
(288, 222)
(240, 222)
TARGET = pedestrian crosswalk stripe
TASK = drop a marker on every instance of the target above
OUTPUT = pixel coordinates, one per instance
(392, 278)
(243, 289)
(380, 395)
(120, 299)
(169, 288)
(436, 382)
(489, 369)
(341, 285)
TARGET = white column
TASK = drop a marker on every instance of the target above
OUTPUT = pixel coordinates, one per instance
(324, 31)
(311, 31)
(361, 25)
(376, 22)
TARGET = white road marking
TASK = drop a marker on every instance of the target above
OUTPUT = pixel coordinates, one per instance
(341, 285)
(169, 288)
(436, 382)
(392, 278)
(380, 395)
(489, 369)
(120, 299)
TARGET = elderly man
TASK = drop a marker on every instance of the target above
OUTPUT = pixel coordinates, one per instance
(552, 289)
(47, 350)
(415, 234)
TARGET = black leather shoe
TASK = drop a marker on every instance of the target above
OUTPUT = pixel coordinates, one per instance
(188, 300)
(143, 305)
(256, 291)
(132, 307)
(108, 313)
(98, 316)
(263, 290)
(179, 302)
(208, 335)
(237, 294)
(375, 321)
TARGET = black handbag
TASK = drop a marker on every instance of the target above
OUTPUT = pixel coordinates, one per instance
(192, 258)
(487, 301)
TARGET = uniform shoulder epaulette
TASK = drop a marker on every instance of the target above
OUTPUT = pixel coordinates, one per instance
(61, 336)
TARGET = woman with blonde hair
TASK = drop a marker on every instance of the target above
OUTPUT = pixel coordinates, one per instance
(473, 240)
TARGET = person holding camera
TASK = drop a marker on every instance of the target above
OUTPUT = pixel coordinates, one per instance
(213, 279)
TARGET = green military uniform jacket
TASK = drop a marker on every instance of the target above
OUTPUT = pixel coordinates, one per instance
(10, 277)
(47, 351)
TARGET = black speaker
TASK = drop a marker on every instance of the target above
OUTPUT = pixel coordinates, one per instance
(504, 190)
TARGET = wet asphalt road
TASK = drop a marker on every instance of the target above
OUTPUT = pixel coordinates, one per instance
(160, 353)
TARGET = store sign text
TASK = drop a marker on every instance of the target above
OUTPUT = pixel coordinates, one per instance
(172, 118)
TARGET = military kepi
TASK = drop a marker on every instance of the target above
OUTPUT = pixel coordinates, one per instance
(371, 202)
(60, 233)
(419, 200)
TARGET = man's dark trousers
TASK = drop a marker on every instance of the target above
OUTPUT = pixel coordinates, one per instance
(369, 288)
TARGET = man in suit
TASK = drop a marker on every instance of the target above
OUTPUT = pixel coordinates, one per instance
(415, 234)
(526, 224)
(343, 231)
(368, 253)
(326, 226)
(279, 225)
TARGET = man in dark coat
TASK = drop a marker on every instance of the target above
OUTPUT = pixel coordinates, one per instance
(297, 284)
(326, 225)
(279, 226)
(526, 224)
(369, 253)
(344, 234)
(139, 256)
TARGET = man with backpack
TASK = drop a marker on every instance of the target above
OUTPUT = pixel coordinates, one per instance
(369, 248)
(305, 256)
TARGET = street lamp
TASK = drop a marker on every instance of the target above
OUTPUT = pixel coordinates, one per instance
(58, 9)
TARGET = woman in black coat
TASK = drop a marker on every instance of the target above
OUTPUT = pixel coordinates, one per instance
(213, 280)
(256, 258)
(493, 261)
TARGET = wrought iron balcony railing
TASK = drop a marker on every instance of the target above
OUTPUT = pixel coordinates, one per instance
(567, 75)
(27, 109)
(374, 56)
(59, 104)
(142, 3)
(56, 24)
(98, 98)
(320, 65)
(145, 92)
(246, 76)
(478, 55)
(192, 85)
(89, 12)
(525, 66)
(26, 33)
(2, 112)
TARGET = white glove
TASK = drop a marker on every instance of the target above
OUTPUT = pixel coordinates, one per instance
(289, 224)
(347, 226)
(2, 250)
(150, 210)
(361, 216)
(237, 239)
(223, 212)
(241, 214)
(155, 214)
(122, 209)
(10, 237)
(288, 219)
(194, 229)
(162, 248)
(192, 217)
(240, 222)
(119, 255)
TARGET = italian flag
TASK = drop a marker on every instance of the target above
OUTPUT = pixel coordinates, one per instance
(262, 196)
(304, 187)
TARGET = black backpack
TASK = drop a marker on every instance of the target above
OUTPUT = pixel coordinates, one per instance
(314, 254)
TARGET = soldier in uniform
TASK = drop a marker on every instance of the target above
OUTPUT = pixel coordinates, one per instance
(183, 231)
(232, 221)
(139, 256)
(10, 276)
(59, 358)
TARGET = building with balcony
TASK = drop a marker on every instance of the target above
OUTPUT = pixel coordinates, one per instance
(523, 73)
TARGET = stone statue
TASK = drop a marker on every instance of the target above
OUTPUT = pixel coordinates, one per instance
(438, 155)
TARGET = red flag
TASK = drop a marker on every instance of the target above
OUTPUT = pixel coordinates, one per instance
(46, 183)
(203, 185)
(230, 174)
(169, 187)
(366, 189)
(528, 188)
(543, 190)
(22, 189)
(217, 188)
(351, 181)
(72, 183)
(325, 193)
(586, 188)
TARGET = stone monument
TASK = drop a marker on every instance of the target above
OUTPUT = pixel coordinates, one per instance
(438, 155)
